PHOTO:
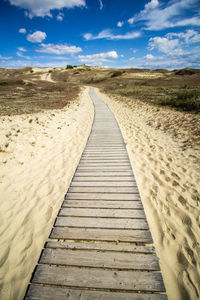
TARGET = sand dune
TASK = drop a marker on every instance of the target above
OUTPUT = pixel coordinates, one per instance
(38, 157)
(168, 177)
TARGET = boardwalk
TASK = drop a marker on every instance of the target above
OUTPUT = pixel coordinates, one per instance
(100, 246)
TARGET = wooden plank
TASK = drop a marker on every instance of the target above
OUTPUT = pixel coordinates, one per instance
(103, 164)
(99, 278)
(100, 259)
(104, 183)
(104, 178)
(103, 204)
(104, 189)
(120, 235)
(103, 247)
(40, 292)
(103, 153)
(102, 160)
(105, 173)
(104, 168)
(102, 223)
(102, 213)
(98, 196)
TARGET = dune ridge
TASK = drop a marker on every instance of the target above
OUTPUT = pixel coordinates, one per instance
(167, 172)
(38, 157)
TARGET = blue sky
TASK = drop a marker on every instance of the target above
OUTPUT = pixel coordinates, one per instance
(110, 33)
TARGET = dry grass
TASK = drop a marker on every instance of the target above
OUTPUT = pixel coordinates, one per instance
(22, 91)
(19, 93)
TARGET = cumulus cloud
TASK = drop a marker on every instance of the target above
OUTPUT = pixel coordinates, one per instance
(190, 36)
(22, 30)
(36, 37)
(158, 16)
(42, 8)
(163, 44)
(120, 24)
(131, 20)
(98, 58)
(60, 17)
(149, 56)
(58, 49)
(189, 59)
(107, 34)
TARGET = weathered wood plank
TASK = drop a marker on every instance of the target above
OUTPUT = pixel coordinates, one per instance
(104, 173)
(99, 278)
(104, 183)
(104, 178)
(105, 189)
(102, 163)
(121, 235)
(99, 259)
(105, 168)
(40, 292)
(103, 213)
(104, 159)
(103, 204)
(109, 246)
(102, 223)
(99, 196)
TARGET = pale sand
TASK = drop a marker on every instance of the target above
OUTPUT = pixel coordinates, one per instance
(47, 77)
(41, 154)
(169, 184)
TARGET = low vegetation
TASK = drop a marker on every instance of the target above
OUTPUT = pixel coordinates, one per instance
(187, 99)
(20, 94)
(23, 91)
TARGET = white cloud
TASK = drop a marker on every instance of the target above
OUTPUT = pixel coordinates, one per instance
(22, 55)
(101, 4)
(22, 49)
(36, 37)
(131, 20)
(59, 49)
(107, 34)
(99, 58)
(42, 8)
(190, 36)
(120, 24)
(163, 44)
(190, 59)
(60, 17)
(5, 57)
(22, 30)
(158, 16)
(150, 5)
(149, 56)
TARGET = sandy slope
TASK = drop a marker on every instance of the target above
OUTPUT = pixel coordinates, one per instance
(46, 77)
(38, 157)
(168, 177)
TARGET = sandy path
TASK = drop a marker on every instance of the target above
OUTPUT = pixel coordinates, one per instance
(47, 77)
(168, 179)
(39, 154)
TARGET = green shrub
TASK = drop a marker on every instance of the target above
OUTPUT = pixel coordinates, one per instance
(116, 73)
(69, 67)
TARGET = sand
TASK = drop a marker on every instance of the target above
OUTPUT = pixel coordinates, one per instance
(46, 77)
(167, 171)
(38, 156)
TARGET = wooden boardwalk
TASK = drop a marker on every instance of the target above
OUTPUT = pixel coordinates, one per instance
(100, 246)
